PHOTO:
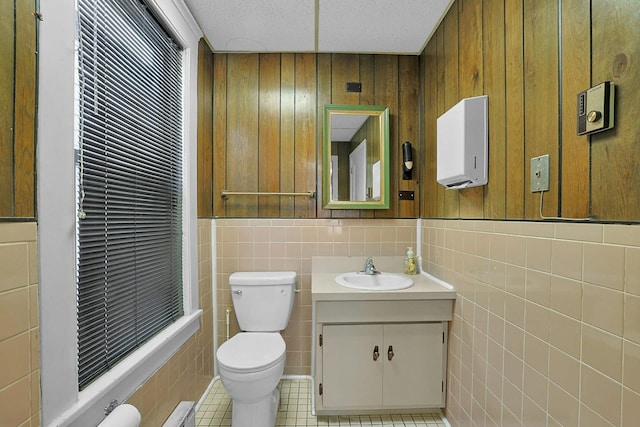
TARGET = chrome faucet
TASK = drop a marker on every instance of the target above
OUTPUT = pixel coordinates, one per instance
(369, 268)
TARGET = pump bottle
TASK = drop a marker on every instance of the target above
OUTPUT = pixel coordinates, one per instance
(410, 266)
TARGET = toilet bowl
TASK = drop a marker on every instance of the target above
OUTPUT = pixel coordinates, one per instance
(250, 366)
(251, 363)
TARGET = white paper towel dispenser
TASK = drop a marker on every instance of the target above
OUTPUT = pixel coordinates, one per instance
(462, 144)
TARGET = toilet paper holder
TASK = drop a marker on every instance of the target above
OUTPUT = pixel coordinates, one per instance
(109, 409)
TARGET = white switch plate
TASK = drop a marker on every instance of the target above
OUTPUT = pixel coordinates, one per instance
(540, 173)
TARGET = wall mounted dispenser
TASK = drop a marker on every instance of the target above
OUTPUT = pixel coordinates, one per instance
(407, 160)
(462, 144)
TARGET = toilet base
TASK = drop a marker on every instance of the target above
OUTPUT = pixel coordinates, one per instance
(262, 413)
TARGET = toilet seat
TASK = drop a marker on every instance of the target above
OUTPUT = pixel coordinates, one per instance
(251, 351)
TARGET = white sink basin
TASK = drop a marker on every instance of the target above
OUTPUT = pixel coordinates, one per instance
(374, 282)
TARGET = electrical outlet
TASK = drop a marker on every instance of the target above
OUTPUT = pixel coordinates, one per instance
(540, 173)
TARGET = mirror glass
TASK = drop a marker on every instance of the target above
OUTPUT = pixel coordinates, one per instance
(355, 157)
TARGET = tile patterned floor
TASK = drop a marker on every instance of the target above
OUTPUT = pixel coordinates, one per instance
(295, 410)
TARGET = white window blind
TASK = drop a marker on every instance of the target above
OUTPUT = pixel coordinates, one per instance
(129, 175)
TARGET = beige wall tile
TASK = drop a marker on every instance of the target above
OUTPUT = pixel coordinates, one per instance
(632, 270)
(619, 234)
(468, 242)
(356, 234)
(512, 399)
(14, 353)
(552, 422)
(497, 301)
(537, 320)
(18, 232)
(19, 344)
(495, 354)
(507, 227)
(498, 247)
(15, 403)
(536, 354)
(537, 229)
(631, 362)
(35, 397)
(14, 313)
(514, 339)
(532, 414)
(486, 226)
(14, 264)
(480, 319)
(580, 232)
(603, 308)
(515, 280)
(563, 407)
(494, 409)
(602, 351)
(566, 296)
(538, 287)
(539, 266)
(630, 408)
(565, 333)
(539, 254)
(529, 290)
(33, 263)
(469, 225)
(498, 274)
(632, 318)
(510, 420)
(589, 418)
(452, 239)
(483, 245)
(307, 234)
(535, 386)
(566, 259)
(564, 371)
(604, 265)
(601, 394)
(516, 251)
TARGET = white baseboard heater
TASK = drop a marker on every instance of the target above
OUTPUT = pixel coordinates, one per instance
(184, 415)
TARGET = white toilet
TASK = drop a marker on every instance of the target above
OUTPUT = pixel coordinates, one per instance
(251, 363)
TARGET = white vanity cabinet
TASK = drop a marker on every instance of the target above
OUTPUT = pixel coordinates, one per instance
(378, 356)
(377, 366)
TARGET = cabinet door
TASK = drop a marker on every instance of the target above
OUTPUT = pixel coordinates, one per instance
(350, 376)
(413, 377)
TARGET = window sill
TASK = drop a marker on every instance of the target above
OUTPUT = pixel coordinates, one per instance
(127, 376)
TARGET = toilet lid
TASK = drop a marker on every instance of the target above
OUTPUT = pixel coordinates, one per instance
(251, 351)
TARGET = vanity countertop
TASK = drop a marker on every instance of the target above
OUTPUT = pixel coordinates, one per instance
(324, 287)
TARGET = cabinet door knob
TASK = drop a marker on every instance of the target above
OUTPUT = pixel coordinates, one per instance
(376, 353)
(390, 352)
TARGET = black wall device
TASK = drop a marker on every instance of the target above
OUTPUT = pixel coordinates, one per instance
(353, 87)
(407, 160)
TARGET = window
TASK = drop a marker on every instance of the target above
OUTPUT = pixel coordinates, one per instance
(129, 182)
(62, 402)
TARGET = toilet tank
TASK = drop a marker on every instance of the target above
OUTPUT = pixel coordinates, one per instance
(263, 300)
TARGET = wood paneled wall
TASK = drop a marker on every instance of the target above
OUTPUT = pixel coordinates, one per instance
(260, 115)
(266, 112)
(17, 108)
(532, 57)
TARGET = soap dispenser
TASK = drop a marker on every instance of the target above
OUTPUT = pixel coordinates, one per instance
(410, 262)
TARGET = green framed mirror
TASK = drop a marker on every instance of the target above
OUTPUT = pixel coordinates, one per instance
(355, 164)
